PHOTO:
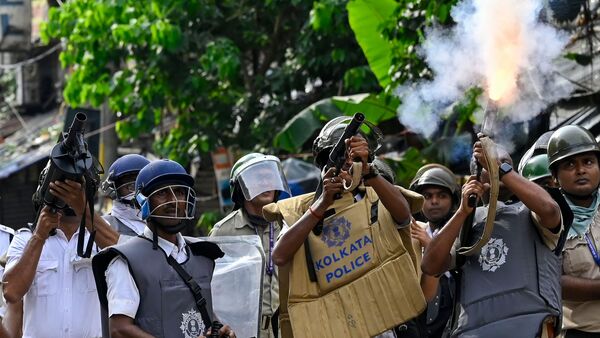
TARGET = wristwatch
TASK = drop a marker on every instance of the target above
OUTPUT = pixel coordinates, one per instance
(373, 172)
(504, 169)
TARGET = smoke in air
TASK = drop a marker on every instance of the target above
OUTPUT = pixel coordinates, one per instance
(499, 45)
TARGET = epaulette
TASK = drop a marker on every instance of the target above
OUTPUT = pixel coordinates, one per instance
(226, 218)
(6, 229)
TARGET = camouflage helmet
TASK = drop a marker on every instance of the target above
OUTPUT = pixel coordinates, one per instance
(536, 167)
(435, 174)
(568, 141)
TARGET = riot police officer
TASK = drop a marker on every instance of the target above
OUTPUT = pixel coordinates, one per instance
(336, 243)
(255, 181)
(120, 187)
(573, 155)
(517, 269)
(159, 283)
(438, 186)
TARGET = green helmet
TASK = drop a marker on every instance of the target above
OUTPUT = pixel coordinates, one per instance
(536, 167)
(568, 141)
(254, 174)
(434, 174)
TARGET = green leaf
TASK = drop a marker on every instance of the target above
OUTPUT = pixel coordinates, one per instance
(321, 15)
(582, 59)
(373, 106)
(302, 126)
(366, 19)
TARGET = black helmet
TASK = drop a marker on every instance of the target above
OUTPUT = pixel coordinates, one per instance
(435, 174)
(568, 141)
(331, 133)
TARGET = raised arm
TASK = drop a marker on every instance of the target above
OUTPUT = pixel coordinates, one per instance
(292, 239)
(437, 258)
(531, 194)
(73, 194)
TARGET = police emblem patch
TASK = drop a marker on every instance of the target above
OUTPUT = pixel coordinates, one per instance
(336, 231)
(192, 325)
(493, 254)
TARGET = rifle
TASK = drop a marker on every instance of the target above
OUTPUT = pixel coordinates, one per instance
(489, 149)
(337, 156)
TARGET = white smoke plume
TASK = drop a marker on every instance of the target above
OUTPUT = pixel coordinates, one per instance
(499, 45)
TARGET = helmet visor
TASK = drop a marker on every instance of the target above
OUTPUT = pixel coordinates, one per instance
(262, 177)
(173, 202)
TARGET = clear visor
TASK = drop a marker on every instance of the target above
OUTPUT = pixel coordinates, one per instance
(173, 202)
(262, 177)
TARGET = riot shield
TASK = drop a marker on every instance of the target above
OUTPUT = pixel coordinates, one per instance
(237, 283)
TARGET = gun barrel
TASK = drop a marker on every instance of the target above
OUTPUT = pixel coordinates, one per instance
(77, 126)
(350, 130)
(489, 117)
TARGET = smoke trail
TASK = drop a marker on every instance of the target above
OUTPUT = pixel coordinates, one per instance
(499, 45)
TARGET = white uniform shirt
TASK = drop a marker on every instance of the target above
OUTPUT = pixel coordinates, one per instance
(5, 233)
(62, 300)
(122, 293)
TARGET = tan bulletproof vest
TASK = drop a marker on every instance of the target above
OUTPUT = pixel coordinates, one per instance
(365, 268)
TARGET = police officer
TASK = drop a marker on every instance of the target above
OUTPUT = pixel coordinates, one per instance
(8, 312)
(332, 248)
(573, 155)
(438, 186)
(158, 284)
(6, 236)
(120, 187)
(46, 272)
(512, 286)
(257, 180)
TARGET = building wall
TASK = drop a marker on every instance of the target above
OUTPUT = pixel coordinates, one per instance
(16, 208)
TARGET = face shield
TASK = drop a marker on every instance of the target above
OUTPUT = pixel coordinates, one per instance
(173, 202)
(261, 177)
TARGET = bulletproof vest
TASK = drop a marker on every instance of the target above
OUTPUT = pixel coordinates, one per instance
(119, 226)
(514, 283)
(366, 280)
(167, 308)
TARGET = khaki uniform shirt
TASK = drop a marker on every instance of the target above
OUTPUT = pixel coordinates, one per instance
(237, 224)
(578, 262)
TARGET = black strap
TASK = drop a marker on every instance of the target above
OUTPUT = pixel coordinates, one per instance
(89, 195)
(374, 212)
(194, 288)
(452, 324)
